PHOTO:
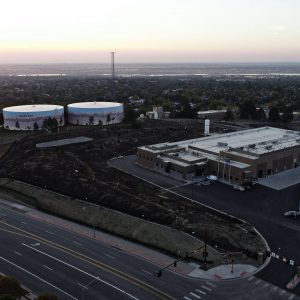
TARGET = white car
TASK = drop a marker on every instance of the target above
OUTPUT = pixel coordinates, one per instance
(292, 213)
(239, 187)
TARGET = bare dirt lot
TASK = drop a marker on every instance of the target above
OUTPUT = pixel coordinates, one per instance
(81, 171)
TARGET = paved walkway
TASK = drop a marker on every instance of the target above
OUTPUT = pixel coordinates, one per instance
(156, 257)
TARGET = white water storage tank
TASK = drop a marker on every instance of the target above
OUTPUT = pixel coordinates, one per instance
(95, 113)
(206, 127)
(31, 117)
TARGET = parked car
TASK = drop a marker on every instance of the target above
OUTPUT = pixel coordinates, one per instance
(239, 187)
(292, 213)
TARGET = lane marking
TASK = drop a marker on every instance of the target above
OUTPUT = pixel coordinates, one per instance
(47, 267)
(146, 272)
(77, 243)
(35, 244)
(50, 232)
(187, 298)
(84, 272)
(250, 278)
(201, 292)
(83, 286)
(109, 256)
(43, 280)
(195, 295)
(206, 288)
(211, 284)
(18, 253)
(139, 283)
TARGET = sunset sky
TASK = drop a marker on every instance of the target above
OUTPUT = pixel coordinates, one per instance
(43, 31)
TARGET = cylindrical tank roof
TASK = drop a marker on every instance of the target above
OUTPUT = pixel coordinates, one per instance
(32, 108)
(95, 104)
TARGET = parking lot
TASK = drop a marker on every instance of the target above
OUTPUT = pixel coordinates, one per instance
(262, 206)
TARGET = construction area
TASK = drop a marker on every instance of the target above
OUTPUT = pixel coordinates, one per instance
(81, 171)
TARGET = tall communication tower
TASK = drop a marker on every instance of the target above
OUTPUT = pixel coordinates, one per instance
(113, 84)
(112, 65)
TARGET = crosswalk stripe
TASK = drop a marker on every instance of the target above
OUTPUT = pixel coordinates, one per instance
(250, 278)
(195, 295)
(206, 288)
(201, 292)
(187, 298)
(211, 284)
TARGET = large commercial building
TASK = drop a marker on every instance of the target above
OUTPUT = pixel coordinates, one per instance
(236, 157)
(95, 113)
(31, 117)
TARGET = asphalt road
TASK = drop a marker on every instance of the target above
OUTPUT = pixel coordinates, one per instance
(263, 207)
(48, 258)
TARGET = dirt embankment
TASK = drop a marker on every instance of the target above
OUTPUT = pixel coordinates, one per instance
(81, 171)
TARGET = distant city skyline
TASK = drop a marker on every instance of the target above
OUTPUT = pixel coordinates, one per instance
(154, 31)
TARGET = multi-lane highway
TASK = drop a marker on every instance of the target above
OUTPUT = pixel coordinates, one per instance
(48, 258)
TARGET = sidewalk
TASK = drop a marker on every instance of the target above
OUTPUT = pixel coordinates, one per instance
(161, 260)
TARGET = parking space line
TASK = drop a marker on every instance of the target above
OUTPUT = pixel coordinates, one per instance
(195, 295)
(201, 292)
(206, 288)
(187, 298)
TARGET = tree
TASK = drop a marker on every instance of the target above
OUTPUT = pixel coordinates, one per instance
(17, 124)
(247, 110)
(91, 120)
(50, 124)
(47, 296)
(129, 115)
(35, 126)
(10, 286)
(229, 115)
(108, 119)
(100, 123)
(274, 114)
(287, 115)
(260, 115)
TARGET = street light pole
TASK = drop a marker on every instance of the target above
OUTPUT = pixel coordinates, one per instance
(86, 287)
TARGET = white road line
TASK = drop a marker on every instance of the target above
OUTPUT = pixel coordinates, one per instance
(84, 272)
(146, 272)
(109, 256)
(211, 284)
(201, 292)
(50, 232)
(206, 288)
(47, 267)
(83, 286)
(18, 253)
(186, 298)
(43, 280)
(77, 243)
(250, 278)
(257, 281)
(195, 295)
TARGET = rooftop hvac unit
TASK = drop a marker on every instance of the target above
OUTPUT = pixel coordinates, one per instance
(222, 144)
